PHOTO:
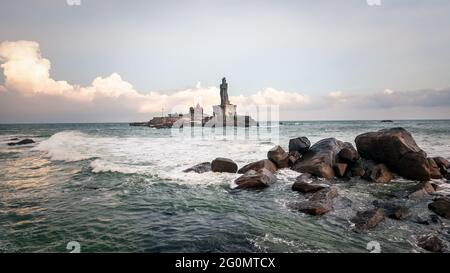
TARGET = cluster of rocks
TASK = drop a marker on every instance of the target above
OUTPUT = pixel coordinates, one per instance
(378, 157)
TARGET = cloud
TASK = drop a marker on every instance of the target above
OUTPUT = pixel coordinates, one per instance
(422, 98)
(29, 91)
(28, 73)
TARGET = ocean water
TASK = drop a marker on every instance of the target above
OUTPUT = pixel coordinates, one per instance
(116, 188)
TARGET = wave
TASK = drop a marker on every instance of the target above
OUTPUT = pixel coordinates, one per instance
(102, 166)
(68, 146)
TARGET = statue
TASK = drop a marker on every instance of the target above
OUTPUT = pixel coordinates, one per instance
(224, 93)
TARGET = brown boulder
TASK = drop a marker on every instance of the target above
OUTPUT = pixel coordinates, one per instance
(278, 156)
(303, 185)
(420, 190)
(435, 171)
(348, 154)
(320, 203)
(377, 173)
(393, 211)
(369, 219)
(442, 162)
(320, 158)
(441, 207)
(224, 165)
(255, 179)
(431, 243)
(258, 165)
(397, 149)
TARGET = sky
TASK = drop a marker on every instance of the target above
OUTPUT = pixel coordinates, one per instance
(120, 61)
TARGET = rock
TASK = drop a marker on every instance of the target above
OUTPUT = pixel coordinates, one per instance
(302, 185)
(441, 207)
(13, 139)
(377, 173)
(435, 171)
(397, 149)
(357, 169)
(300, 144)
(339, 169)
(436, 187)
(421, 190)
(320, 158)
(199, 168)
(22, 142)
(258, 165)
(394, 211)
(442, 162)
(293, 157)
(278, 156)
(431, 219)
(320, 203)
(431, 243)
(255, 179)
(348, 154)
(369, 219)
(225, 165)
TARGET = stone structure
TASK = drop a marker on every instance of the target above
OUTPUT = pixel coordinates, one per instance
(225, 113)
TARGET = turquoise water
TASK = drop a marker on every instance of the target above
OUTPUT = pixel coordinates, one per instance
(117, 188)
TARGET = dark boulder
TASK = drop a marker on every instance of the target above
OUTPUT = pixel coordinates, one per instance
(199, 168)
(348, 154)
(300, 144)
(421, 190)
(320, 158)
(377, 173)
(258, 165)
(397, 149)
(435, 171)
(432, 243)
(278, 156)
(224, 165)
(22, 142)
(255, 179)
(293, 157)
(441, 207)
(320, 203)
(368, 219)
(442, 163)
(357, 169)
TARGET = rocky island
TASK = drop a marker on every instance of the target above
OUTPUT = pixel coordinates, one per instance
(379, 157)
(224, 115)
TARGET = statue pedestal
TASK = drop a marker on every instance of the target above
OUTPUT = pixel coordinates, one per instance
(224, 115)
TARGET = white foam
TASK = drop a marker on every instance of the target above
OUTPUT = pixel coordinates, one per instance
(99, 166)
(67, 146)
(164, 157)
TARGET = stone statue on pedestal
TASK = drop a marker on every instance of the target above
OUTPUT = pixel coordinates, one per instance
(224, 93)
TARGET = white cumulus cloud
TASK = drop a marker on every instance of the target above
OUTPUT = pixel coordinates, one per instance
(28, 73)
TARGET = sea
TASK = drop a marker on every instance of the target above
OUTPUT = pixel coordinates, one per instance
(111, 187)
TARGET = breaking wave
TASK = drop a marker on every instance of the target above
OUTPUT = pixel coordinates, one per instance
(68, 146)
